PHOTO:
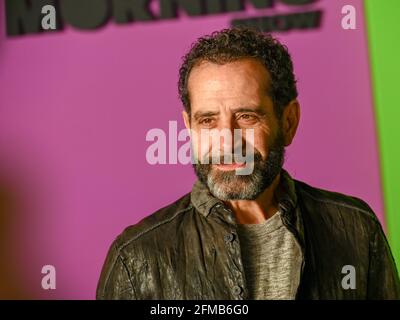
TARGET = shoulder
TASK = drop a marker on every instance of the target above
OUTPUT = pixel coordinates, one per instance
(335, 204)
(138, 241)
(157, 223)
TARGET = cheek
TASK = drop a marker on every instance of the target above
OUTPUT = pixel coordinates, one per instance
(261, 139)
(200, 145)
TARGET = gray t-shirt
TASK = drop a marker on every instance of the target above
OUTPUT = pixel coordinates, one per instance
(271, 258)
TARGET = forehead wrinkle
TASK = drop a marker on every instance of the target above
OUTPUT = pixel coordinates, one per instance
(225, 86)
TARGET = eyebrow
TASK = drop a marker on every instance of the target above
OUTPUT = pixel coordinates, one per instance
(257, 110)
(200, 114)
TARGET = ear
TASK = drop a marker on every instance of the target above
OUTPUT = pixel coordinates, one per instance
(290, 121)
(186, 119)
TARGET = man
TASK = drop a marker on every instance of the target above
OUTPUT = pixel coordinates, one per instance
(257, 236)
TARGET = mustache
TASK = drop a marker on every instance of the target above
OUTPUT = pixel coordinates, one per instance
(229, 158)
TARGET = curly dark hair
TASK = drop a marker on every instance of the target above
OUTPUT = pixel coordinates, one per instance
(236, 43)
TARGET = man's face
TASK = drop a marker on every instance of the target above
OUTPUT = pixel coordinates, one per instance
(228, 97)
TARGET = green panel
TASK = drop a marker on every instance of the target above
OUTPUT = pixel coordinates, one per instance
(383, 21)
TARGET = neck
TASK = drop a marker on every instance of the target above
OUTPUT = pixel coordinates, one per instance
(258, 210)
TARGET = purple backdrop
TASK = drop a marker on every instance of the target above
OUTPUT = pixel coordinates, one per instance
(75, 108)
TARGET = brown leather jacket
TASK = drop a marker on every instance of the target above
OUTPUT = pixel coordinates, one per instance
(190, 249)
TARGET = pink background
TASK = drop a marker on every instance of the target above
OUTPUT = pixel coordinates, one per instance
(75, 108)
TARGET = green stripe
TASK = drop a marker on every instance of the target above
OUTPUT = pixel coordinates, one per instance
(383, 21)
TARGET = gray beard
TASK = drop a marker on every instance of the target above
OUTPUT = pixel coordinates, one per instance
(227, 185)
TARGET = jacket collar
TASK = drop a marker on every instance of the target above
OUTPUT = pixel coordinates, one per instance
(285, 194)
(202, 199)
(288, 202)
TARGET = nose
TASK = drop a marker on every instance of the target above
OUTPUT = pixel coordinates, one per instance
(226, 133)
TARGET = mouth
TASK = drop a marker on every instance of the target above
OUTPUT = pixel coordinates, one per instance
(231, 166)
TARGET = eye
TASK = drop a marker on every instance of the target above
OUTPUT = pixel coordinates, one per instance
(206, 121)
(247, 117)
